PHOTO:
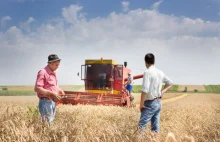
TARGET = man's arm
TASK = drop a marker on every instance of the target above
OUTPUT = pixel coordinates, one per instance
(168, 84)
(166, 88)
(45, 92)
(128, 81)
(143, 98)
(145, 90)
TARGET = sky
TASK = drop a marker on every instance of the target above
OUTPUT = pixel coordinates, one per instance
(184, 36)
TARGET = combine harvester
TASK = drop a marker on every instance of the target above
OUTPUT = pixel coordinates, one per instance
(110, 91)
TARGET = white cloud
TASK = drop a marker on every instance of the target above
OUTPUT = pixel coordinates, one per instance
(70, 13)
(183, 46)
(26, 25)
(30, 20)
(13, 36)
(125, 5)
(156, 5)
(4, 20)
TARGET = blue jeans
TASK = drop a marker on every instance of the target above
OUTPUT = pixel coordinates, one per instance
(47, 110)
(101, 82)
(129, 88)
(151, 113)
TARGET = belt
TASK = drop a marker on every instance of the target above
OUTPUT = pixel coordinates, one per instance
(45, 98)
(157, 98)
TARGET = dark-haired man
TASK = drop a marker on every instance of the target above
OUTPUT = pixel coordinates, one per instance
(150, 104)
(47, 88)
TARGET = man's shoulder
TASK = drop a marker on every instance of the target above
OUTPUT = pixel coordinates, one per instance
(147, 71)
(159, 71)
(102, 73)
(42, 71)
(130, 78)
(153, 71)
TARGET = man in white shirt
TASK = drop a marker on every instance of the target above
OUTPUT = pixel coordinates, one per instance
(150, 104)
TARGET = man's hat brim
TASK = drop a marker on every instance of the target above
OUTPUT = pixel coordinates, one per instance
(53, 60)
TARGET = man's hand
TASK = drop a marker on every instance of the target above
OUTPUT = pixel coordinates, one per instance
(56, 96)
(61, 92)
(165, 89)
(142, 107)
(111, 79)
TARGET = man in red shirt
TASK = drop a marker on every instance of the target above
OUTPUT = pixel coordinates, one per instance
(47, 88)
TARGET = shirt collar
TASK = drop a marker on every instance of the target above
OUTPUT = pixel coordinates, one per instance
(151, 67)
(48, 70)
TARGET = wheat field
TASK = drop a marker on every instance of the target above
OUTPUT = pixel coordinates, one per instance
(193, 118)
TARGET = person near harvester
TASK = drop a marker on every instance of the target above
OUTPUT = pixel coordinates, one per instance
(101, 82)
(129, 82)
(150, 104)
(129, 96)
(47, 89)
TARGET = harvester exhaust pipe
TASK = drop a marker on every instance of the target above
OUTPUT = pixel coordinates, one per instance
(125, 64)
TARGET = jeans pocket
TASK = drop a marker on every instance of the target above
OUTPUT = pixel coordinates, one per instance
(147, 104)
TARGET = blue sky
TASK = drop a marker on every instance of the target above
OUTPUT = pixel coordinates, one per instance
(42, 10)
(183, 34)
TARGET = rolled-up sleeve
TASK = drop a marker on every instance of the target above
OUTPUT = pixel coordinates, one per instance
(40, 80)
(167, 80)
(146, 83)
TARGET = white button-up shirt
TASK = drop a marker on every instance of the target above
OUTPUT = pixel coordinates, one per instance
(102, 75)
(130, 79)
(152, 82)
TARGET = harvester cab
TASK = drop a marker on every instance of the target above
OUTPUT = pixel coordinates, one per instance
(103, 76)
(104, 84)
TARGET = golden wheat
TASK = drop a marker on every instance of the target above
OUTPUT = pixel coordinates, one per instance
(182, 120)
